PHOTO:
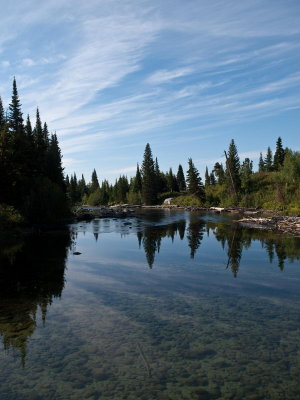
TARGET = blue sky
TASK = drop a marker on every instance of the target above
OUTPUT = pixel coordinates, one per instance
(186, 76)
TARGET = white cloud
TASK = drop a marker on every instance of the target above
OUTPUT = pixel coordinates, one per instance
(28, 62)
(5, 63)
(165, 76)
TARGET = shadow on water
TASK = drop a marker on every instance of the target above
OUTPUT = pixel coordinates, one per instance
(32, 274)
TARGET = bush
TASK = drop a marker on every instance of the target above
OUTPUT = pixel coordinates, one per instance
(188, 200)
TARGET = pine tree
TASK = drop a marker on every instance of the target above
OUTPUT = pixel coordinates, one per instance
(269, 160)
(138, 180)
(233, 168)
(245, 173)
(181, 179)
(95, 182)
(193, 180)
(207, 177)
(54, 169)
(149, 184)
(2, 115)
(15, 116)
(279, 155)
(212, 179)
(261, 164)
(172, 181)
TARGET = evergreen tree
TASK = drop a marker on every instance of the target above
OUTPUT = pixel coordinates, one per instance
(207, 177)
(40, 144)
(172, 181)
(193, 180)
(261, 164)
(148, 178)
(233, 169)
(269, 160)
(82, 188)
(2, 115)
(15, 114)
(279, 155)
(95, 182)
(212, 179)
(181, 179)
(138, 180)
(54, 169)
(246, 172)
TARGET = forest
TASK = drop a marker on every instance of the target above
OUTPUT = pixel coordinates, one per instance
(275, 185)
(33, 189)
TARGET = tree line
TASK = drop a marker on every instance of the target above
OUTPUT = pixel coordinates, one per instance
(274, 185)
(32, 181)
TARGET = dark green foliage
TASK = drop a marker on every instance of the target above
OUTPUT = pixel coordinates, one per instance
(137, 186)
(279, 155)
(245, 174)
(149, 186)
(31, 174)
(261, 164)
(233, 169)
(207, 177)
(212, 179)
(15, 117)
(95, 183)
(46, 202)
(268, 162)
(2, 115)
(194, 182)
(172, 184)
(181, 179)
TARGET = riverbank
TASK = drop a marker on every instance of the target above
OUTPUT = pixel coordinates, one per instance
(283, 224)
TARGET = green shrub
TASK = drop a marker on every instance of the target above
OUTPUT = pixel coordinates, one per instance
(188, 200)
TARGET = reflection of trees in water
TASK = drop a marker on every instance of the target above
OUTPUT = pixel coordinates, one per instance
(151, 237)
(29, 280)
(238, 238)
(233, 238)
(195, 234)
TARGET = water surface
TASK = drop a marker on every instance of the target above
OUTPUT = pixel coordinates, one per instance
(170, 305)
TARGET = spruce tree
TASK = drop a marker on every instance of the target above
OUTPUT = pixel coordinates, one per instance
(207, 177)
(193, 180)
(212, 179)
(245, 173)
(15, 116)
(95, 182)
(269, 160)
(261, 163)
(233, 169)
(279, 155)
(138, 180)
(149, 183)
(181, 179)
(2, 115)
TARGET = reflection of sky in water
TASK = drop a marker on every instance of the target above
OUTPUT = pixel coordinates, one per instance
(185, 329)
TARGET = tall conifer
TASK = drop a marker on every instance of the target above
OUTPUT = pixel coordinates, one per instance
(279, 155)
(148, 177)
(181, 178)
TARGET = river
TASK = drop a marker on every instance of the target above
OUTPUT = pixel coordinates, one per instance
(169, 305)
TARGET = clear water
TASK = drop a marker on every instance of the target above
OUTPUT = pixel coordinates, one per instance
(170, 305)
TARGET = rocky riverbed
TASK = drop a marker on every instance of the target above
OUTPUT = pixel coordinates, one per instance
(283, 224)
